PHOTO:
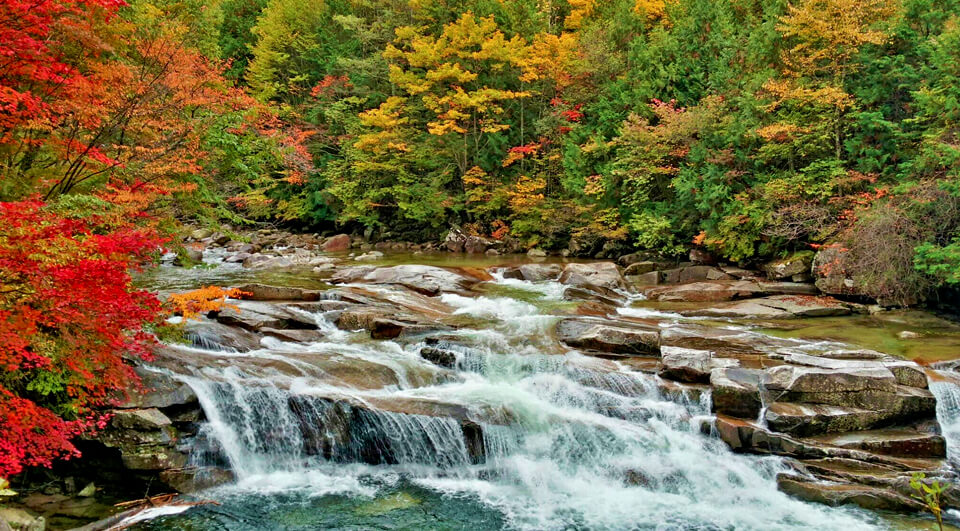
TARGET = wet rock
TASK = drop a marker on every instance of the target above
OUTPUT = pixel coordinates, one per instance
(262, 261)
(211, 335)
(439, 356)
(689, 365)
(776, 307)
(537, 253)
(606, 336)
(838, 493)
(427, 280)
(809, 419)
(295, 335)
(337, 244)
(795, 264)
(603, 275)
(598, 295)
(540, 272)
(191, 254)
(193, 479)
(705, 292)
(158, 390)
(253, 315)
(809, 384)
(898, 442)
(263, 292)
(736, 392)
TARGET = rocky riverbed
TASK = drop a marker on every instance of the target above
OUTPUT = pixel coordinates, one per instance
(535, 393)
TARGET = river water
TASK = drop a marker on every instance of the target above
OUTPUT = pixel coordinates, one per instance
(570, 441)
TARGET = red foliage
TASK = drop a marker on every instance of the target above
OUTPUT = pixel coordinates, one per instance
(32, 63)
(68, 316)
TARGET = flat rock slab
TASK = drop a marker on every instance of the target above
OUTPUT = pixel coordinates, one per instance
(263, 292)
(690, 365)
(898, 442)
(837, 493)
(609, 336)
(427, 280)
(776, 307)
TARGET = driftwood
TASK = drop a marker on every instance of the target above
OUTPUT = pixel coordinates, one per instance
(134, 507)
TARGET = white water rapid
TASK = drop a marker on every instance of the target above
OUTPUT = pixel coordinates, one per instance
(544, 437)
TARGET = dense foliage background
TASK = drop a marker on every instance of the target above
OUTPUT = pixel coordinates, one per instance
(748, 128)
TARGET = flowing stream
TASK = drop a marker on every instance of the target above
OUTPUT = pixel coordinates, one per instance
(522, 434)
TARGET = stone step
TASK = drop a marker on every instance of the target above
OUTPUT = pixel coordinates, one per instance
(898, 442)
(835, 493)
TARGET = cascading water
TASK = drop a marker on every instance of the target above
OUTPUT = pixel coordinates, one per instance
(520, 435)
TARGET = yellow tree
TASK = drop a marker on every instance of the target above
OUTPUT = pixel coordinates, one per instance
(463, 77)
(826, 36)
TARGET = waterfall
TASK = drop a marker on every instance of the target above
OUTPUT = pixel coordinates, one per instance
(547, 438)
(947, 391)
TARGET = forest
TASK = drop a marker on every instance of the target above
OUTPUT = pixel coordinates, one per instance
(747, 129)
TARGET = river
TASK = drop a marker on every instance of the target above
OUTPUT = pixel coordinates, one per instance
(569, 441)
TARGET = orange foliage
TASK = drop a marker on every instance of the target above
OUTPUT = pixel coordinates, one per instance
(200, 301)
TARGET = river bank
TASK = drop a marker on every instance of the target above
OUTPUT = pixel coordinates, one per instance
(496, 384)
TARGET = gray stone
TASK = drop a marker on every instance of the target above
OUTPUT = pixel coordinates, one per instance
(139, 419)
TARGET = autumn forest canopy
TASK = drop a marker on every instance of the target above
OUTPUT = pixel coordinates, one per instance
(749, 129)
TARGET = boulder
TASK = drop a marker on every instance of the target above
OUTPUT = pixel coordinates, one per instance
(537, 253)
(201, 234)
(158, 390)
(337, 244)
(193, 479)
(263, 292)
(603, 275)
(427, 280)
(795, 264)
(639, 268)
(540, 272)
(609, 337)
(439, 356)
(736, 392)
(253, 315)
(830, 275)
(690, 365)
